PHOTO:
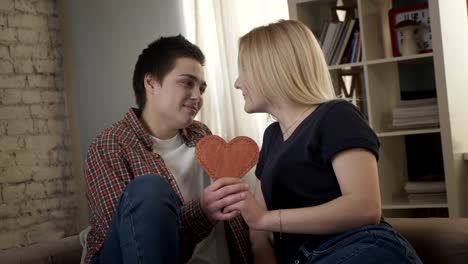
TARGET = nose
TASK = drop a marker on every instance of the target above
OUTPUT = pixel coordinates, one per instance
(196, 94)
(237, 83)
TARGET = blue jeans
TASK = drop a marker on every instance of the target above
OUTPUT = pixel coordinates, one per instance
(145, 225)
(370, 244)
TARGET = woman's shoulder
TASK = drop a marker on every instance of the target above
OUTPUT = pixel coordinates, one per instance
(337, 105)
(270, 130)
(339, 109)
(341, 115)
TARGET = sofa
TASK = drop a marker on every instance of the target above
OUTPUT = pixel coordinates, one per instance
(437, 240)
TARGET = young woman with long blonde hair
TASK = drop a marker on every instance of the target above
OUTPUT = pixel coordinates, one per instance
(317, 189)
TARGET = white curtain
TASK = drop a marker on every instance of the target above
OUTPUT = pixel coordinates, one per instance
(215, 26)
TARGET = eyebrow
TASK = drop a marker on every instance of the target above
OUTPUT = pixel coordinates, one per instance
(193, 77)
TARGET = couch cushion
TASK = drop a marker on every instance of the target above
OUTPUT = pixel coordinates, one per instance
(66, 250)
(436, 240)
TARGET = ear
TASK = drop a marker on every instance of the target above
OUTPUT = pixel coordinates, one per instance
(150, 83)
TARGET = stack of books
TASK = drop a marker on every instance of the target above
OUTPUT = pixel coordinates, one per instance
(416, 113)
(423, 191)
(341, 42)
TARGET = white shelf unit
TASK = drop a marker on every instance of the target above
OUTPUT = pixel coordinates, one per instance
(381, 89)
(409, 132)
(345, 66)
(401, 58)
(404, 203)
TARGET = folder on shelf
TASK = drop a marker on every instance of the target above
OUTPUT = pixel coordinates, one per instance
(424, 187)
(427, 197)
(329, 36)
(337, 37)
(344, 41)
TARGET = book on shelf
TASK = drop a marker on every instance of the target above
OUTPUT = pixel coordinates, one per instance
(339, 40)
(414, 187)
(331, 30)
(323, 31)
(356, 47)
(335, 41)
(418, 102)
(423, 191)
(416, 113)
(427, 197)
(344, 40)
(350, 50)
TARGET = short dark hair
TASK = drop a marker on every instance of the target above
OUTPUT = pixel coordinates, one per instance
(159, 59)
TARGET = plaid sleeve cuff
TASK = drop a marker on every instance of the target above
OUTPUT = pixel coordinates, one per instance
(194, 219)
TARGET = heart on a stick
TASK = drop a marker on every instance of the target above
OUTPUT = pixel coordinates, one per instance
(221, 159)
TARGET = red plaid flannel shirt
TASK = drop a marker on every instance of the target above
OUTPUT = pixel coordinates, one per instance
(125, 151)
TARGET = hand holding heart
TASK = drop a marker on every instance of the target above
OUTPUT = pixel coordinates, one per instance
(223, 192)
(225, 163)
(253, 214)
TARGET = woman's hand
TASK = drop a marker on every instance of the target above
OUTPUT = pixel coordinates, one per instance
(254, 215)
(223, 192)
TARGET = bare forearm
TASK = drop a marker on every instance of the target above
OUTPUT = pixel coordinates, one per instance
(336, 216)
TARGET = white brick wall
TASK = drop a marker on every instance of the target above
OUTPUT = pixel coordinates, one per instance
(4, 54)
(6, 67)
(28, 36)
(25, 5)
(6, 5)
(23, 66)
(12, 81)
(37, 188)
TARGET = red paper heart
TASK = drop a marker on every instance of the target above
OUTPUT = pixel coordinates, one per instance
(221, 159)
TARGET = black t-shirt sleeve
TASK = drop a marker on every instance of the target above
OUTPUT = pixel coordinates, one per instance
(344, 127)
(267, 137)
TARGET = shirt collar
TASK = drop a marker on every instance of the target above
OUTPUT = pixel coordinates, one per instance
(133, 119)
(170, 143)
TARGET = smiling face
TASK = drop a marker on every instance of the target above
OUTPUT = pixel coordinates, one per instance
(177, 100)
(254, 102)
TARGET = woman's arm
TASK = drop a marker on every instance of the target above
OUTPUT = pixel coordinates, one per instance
(260, 240)
(359, 205)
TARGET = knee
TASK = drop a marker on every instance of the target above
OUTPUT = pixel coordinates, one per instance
(151, 189)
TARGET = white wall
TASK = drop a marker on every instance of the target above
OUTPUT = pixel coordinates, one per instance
(106, 37)
(102, 40)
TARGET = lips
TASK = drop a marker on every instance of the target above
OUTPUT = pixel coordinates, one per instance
(193, 108)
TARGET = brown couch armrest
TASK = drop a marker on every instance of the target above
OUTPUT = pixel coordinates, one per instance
(66, 250)
(436, 240)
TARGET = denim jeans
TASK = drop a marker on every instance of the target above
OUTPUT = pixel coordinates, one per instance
(370, 244)
(145, 225)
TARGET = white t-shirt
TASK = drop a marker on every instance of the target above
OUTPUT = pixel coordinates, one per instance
(191, 180)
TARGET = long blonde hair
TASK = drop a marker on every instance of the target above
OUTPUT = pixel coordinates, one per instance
(283, 60)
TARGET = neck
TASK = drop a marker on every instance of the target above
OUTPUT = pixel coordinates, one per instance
(156, 126)
(291, 115)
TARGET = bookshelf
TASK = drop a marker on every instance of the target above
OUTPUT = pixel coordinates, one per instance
(345, 66)
(408, 132)
(408, 152)
(401, 59)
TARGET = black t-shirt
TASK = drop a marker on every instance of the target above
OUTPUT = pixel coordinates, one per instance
(298, 172)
